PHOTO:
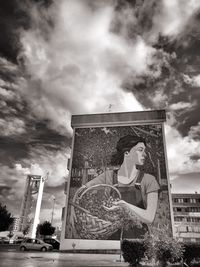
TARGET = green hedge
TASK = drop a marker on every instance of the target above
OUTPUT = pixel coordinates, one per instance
(132, 251)
(191, 252)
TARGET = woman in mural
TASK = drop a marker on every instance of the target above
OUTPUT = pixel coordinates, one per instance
(139, 190)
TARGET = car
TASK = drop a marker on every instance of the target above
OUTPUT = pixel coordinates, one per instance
(4, 240)
(18, 240)
(54, 242)
(35, 244)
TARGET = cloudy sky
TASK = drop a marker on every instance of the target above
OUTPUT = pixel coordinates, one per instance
(59, 58)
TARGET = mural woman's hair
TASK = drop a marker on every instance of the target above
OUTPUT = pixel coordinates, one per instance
(124, 144)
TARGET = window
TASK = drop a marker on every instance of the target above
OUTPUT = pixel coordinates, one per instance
(178, 219)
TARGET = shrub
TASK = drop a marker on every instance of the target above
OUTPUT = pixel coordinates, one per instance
(161, 247)
(132, 251)
(191, 252)
(156, 246)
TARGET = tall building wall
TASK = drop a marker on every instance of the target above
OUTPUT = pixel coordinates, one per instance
(95, 140)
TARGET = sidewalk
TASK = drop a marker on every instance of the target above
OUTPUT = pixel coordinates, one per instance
(92, 260)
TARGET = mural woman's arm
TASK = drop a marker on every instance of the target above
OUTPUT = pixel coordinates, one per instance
(144, 215)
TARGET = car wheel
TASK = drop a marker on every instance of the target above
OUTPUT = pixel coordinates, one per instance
(43, 249)
(23, 248)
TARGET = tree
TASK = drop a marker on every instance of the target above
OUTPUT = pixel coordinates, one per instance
(26, 230)
(162, 247)
(6, 219)
(45, 229)
(10, 234)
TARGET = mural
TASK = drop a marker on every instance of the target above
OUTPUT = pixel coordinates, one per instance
(118, 185)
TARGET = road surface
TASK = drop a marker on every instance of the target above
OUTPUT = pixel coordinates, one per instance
(15, 258)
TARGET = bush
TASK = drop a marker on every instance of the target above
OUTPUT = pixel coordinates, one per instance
(161, 247)
(191, 252)
(132, 251)
(156, 246)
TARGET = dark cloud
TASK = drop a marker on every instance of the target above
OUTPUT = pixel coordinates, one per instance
(163, 84)
(12, 151)
(186, 183)
(14, 16)
(59, 57)
(135, 18)
(195, 157)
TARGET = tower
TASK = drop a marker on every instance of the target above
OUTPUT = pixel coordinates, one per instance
(34, 185)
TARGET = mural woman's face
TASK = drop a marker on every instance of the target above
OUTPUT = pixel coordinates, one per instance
(137, 154)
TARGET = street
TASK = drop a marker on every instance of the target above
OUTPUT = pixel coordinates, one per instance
(12, 257)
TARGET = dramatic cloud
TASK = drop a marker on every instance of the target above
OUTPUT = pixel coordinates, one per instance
(51, 164)
(186, 183)
(174, 16)
(71, 57)
(195, 131)
(12, 127)
(93, 65)
(180, 152)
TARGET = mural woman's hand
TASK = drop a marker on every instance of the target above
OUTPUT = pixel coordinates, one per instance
(117, 205)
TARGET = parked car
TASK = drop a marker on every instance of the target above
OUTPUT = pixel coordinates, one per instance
(18, 240)
(35, 244)
(54, 242)
(4, 240)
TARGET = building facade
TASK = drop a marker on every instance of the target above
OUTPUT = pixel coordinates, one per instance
(93, 174)
(16, 224)
(186, 209)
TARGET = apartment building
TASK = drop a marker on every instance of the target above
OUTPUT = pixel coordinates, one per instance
(186, 209)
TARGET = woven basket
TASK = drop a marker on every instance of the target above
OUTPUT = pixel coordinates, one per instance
(92, 221)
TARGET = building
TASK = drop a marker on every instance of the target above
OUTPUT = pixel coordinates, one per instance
(16, 224)
(186, 209)
(95, 139)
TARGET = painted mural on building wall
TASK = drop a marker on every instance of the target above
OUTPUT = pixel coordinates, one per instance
(118, 185)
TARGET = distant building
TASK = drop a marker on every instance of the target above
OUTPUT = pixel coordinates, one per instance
(16, 224)
(186, 209)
